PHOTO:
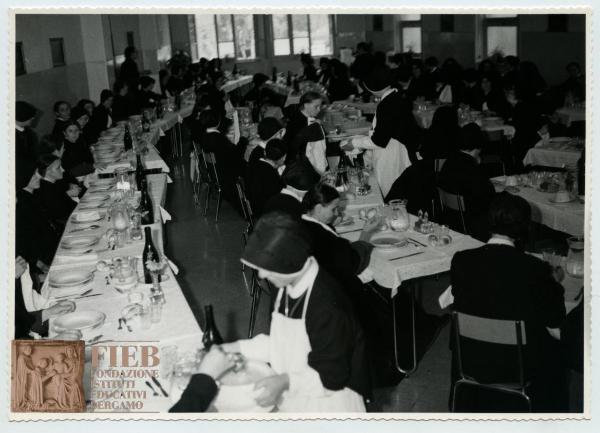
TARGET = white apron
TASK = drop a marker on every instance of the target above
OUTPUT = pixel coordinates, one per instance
(316, 150)
(289, 349)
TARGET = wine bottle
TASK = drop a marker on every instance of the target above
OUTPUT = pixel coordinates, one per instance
(146, 208)
(211, 333)
(149, 254)
(139, 171)
(127, 140)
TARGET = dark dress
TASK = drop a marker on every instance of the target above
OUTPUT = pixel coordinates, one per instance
(417, 185)
(53, 198)
(284, 203)
(147, 99)
(295, 124)
(99, 120)
(122, 107)
(59, 126)
(361, 67)
(77, 160)
(262, 183)
(130, 74)
(25, 156)
(338, 346)
(197, 396)
(500, 282)
(462, 175)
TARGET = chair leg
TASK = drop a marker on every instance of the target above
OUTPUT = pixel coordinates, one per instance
(207, 199)
(218, 205)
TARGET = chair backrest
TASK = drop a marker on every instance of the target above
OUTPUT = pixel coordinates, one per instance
(244, 202)
(438, 164)
(211, 166)
(494, 331)
(453, 201)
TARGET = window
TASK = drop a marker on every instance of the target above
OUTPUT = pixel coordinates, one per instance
(410, 31)
(501, 34)
(299, 34)
(57, 51)
(225, 36)
(20, 59)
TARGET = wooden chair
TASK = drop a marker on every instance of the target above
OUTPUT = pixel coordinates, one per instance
(214, 183)
(456, 202)
(509, 333)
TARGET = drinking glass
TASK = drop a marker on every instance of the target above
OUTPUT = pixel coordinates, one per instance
(399, 220)
(155, 309)
(574, 265)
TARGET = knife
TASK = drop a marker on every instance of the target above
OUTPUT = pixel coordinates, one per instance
(409, 255)
(157, 383)
(417, 242)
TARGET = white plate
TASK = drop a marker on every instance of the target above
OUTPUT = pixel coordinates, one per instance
(80, 218)
(79, 320)
(69, 278)
(79, 242)
(60, 292)
(94, 196)
(388, 240)
(553, 201)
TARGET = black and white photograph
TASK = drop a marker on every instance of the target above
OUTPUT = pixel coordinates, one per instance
(304, 215)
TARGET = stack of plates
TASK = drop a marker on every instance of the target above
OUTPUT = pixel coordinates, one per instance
(79, 245)
(80, 320)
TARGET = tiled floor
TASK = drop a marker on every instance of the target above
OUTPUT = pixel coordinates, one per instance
(208, 256)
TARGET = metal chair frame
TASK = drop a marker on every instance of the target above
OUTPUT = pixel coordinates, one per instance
(455, 202)
(507, 332)
(210, 163)
(201, 178)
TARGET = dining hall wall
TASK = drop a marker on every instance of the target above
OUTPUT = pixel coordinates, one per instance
(43, 83)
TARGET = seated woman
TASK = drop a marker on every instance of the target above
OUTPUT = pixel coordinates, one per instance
(306, 137)
(146, 97)
(263, 180)
(81, 116)
(499, 281)
(343, 259)
(309, 72)
(441, 139)
(315, 345)
(87, 105)
(269, 128)
(77, 159)
(102, 117)
(462, 174)
(62, 113)
(52, 193)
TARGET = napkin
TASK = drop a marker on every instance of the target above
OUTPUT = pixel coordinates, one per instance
(382, 271)
(166, 216)
(446, 299)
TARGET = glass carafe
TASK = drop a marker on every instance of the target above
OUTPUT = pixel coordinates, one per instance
(119, 215)
(399, 220)
(574, 262)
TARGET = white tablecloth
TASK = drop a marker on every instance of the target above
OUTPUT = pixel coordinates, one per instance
(230, 86)
(425, 117)
(564, 217)
(550, 155)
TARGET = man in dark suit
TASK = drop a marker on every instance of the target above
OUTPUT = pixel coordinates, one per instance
(461, 174)
(263, 180)
(499, 281)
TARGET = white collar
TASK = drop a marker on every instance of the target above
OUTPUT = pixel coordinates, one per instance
(48, 180)
(387, 92)
(306, 281)
(266, 161)
(500, 241)
(261, 143)
(19, 128)
(211, 130)
(310, 118)
(307, 217)
(291, 193)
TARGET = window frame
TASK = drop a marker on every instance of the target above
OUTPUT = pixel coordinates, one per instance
(500, 22)
(290, 36)
(411, 23)
(235, 39)
(62, 47)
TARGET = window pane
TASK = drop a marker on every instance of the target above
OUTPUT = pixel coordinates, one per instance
(280, 26)
(320, 35)
(300, 26)
(411, 39)
(244, 32)
(226, 49)
(224, 29)
(57, 51)
(410, 17)
(502, 39)
(281, 47)
(301, 45)
(206, 36)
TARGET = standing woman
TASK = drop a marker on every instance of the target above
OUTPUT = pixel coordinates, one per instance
(77, 160)
(307, 138)
(315, 345)
(129, 69)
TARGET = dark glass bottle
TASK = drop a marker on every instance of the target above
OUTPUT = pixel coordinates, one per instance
(127, 140)
(146, 208)
(139, 171)
(149, 254)
(211, 333)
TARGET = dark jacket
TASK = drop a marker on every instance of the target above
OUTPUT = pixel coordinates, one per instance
(338, 347)
(99, 120)
(262, 183)
(500, 282)
(284, 203)
(25, 156)
(362, 65)
(417, 185)
(53, 198)
(130, 74)
(197, 396)
(77, 159)
(295, 124)
(59, 125)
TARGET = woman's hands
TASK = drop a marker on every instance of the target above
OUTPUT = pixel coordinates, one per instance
(20, 266)
(272, 389)
(370, 227)
(216, 362)
(73, 190)
(58, 309)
